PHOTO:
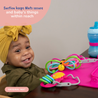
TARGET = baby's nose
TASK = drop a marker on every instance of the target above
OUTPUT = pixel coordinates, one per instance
(26, 52)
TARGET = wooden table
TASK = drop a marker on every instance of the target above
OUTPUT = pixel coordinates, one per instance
(64, 92)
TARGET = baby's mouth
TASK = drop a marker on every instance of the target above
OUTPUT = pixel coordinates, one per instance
(27, 60)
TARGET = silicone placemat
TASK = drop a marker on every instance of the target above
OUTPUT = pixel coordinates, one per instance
(87, 73)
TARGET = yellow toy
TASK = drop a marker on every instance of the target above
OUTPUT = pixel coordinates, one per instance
(58, 75)
(61, 67)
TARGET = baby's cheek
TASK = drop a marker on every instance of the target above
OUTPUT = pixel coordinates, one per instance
(32, 52)
(17, 58)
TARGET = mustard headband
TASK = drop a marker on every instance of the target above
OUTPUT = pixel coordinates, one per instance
(9, 34)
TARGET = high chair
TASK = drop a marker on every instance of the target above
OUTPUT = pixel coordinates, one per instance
(3, 84)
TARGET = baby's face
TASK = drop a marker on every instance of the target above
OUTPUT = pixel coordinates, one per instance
(20, 53)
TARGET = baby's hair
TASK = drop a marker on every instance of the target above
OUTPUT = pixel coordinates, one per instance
(22, 35)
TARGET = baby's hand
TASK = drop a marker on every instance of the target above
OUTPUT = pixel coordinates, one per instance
(45, 71)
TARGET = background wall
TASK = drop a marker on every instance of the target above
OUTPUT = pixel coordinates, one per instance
(63, 30)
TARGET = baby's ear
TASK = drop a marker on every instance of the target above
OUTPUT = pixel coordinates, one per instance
(6, 61)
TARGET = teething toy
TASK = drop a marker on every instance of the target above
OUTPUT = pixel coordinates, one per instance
(57, 79)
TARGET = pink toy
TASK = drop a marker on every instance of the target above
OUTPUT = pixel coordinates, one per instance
(52, 85)
(59, 81)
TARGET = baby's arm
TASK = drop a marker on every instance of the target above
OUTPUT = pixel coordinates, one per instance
(41, 69)
(29, 80)
(23, 78)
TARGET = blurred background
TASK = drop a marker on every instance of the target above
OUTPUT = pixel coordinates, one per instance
(63, 30)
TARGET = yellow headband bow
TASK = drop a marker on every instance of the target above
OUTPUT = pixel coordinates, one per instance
(9, 34)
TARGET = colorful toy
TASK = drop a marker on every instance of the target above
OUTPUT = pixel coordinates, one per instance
(57, 79)
(72, 62)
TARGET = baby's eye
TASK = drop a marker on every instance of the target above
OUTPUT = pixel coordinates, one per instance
(17, 51)
(27, 47)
